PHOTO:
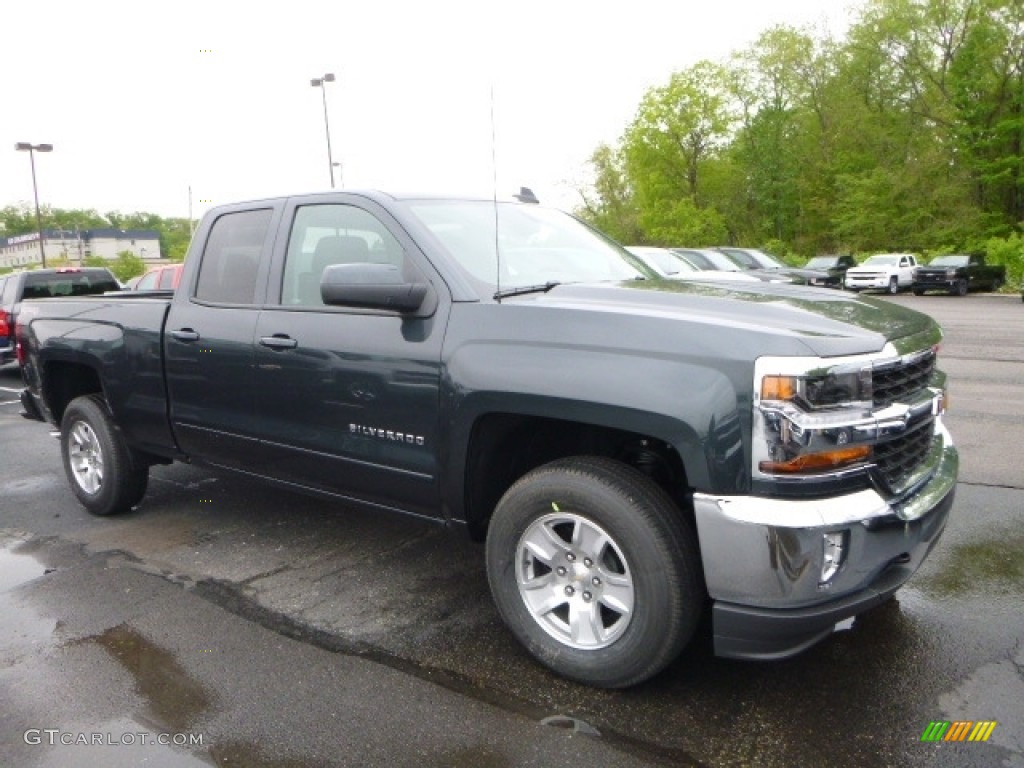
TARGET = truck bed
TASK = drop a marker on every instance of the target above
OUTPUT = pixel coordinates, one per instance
(129, 329)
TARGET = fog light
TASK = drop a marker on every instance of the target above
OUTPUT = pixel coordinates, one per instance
(833, 555)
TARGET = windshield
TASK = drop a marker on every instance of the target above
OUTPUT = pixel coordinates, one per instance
(537, 245)
(704, 259)
(751, 258)
(882, 259)
(949, 261)
(822, 262)
(664, 261)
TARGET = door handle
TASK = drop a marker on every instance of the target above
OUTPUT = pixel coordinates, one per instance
(279, 342)
(185, 334)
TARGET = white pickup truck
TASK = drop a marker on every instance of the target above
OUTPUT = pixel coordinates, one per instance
(889, 272)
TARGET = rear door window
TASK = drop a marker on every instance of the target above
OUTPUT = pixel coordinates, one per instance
(227, 273)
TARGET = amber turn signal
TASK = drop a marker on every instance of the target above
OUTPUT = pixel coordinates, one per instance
(778, 388)
(825, 460)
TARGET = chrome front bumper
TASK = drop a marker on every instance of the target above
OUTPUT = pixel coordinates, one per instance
(767, 560)
(867, 282)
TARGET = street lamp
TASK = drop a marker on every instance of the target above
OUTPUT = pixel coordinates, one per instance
(318, 82)
(24, 146)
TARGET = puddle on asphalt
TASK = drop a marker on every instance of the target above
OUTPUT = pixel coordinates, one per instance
(175, 700)
(991, 566)
(17, 569)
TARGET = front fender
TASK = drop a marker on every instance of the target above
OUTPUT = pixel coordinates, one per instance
(692, 407)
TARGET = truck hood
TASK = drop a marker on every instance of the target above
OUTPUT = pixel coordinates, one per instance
(826, 322)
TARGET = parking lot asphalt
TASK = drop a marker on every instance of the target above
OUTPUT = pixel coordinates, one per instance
(289, 618)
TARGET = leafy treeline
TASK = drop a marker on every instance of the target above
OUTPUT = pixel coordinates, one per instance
(905, 135)
(174, 233)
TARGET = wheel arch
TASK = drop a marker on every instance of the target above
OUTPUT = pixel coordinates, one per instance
(63, 381)
(497, 447)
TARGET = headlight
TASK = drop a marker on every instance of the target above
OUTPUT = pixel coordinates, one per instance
(814, 421)
(950, 273)
(835, 388)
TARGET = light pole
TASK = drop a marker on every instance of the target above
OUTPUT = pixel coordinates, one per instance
(24, 146)
(318, 82)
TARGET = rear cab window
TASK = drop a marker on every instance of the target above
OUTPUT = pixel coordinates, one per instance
(49, 285)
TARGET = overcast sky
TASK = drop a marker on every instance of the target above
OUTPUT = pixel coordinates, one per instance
(145, 99)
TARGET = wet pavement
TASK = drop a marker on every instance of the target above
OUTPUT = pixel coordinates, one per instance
(288, 632)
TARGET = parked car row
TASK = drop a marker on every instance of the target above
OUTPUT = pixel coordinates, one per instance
(744, 264)
(956, 274)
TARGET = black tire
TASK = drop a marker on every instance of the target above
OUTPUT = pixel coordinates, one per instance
(959, 287)
(98, 464)
(996, 285)
(647, 560)
(919, 291)
(893, 287)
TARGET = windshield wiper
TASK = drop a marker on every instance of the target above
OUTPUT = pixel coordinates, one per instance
(522, 290)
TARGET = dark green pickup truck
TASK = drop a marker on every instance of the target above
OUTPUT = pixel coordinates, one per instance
(957, 274)
(633, 450)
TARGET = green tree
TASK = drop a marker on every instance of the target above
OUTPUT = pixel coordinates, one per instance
(127, 265)
(609, 204)
(672, 144)
(768, 81)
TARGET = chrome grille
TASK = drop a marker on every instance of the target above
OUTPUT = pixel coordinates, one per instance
(897, 459)
(896, 380)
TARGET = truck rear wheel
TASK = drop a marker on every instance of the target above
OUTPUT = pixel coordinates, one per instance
(595, 570)
(97, 462)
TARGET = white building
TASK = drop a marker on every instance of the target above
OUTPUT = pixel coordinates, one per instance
(77, 245)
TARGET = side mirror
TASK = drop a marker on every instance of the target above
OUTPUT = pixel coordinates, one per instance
(371, 286)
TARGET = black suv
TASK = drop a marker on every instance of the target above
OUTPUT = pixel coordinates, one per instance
(45, 284)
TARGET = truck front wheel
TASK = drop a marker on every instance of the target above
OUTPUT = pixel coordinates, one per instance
(97, 462)
(595, 570)
(894, 286)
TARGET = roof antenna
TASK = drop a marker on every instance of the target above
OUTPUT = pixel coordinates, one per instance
(494, 198)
